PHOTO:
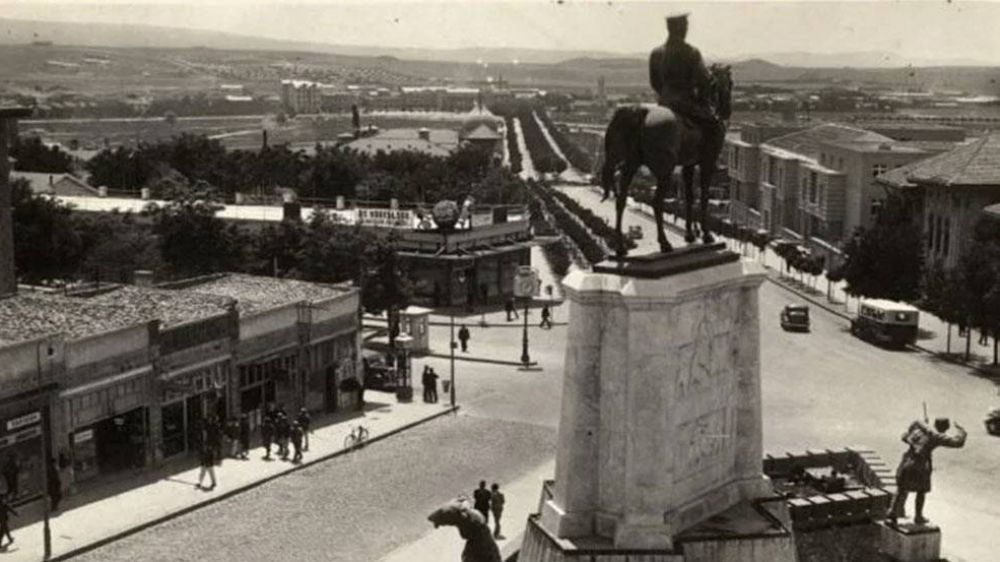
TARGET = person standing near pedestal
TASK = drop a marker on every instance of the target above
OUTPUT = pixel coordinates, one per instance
(463, 337)
(914, 472)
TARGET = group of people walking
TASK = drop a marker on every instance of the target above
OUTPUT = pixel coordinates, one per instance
(277, 428)
(487, 501)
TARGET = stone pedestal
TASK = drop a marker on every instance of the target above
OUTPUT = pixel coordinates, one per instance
(660, 426)
(907, 542)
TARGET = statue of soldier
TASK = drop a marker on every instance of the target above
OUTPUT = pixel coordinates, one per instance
(914, 472)
(681, 81)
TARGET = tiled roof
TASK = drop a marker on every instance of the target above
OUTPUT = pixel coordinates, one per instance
(255, 294)
(973, 164)
(29, 315)
(482, 132)
(808, 142)
(171, 307)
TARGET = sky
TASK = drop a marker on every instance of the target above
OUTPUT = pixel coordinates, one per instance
(940, 30)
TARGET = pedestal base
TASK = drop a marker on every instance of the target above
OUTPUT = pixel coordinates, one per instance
(908, 542)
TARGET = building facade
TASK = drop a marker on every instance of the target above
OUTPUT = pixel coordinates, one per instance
(132, 374)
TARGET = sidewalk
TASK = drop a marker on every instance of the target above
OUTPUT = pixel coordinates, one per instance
(933, 336)
(444, 543)
(78, 529)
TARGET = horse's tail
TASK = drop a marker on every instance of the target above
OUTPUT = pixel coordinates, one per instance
(621, 142)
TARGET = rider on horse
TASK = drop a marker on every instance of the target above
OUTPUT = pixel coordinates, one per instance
(681, 81)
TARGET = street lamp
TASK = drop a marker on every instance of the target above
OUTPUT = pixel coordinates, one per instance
(453, 345)
(526, 285)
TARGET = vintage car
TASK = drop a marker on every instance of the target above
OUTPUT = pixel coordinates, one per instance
(886, 322)
(379, 373)
(635, 232)
(992, 422)
(795, 317)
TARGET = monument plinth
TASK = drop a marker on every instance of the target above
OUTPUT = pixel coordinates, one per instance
(660, 427)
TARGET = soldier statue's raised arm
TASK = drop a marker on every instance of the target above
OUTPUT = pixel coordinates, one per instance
(914, 472)
(678, 75)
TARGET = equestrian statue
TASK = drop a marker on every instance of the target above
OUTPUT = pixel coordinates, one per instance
(685, 128)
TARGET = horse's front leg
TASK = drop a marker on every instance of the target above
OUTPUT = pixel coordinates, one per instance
(662, 188)
(689, 235)
(705, 175)
(621, 250)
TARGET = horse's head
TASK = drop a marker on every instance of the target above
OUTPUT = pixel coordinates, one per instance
(722, 90)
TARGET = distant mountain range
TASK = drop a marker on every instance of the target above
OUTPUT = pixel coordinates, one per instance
(14, 31)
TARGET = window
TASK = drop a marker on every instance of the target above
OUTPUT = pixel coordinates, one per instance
(930, 231)
(879, 169)
(947, 235)
(840, 164)
(772, 172)
(813, 183)
(736, 157)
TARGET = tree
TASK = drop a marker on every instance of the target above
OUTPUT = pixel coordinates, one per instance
(32, 155)
(46, 244)
(945, 295)
(886, 260)
(384, 285)
(192, 239)
(119, 168)
(116, 246)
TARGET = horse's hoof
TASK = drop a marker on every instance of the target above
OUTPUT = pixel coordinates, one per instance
(708, 238)
(690, 238)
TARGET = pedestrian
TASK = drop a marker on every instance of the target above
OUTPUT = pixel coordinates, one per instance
(213, 436)
(11, 475)
(5, 512)
(463, 336)
(267, 436)
(306, 422)
(481, 501)
(983, 338)
(425, 380)
(432, 383)
(244, 436)
(296, 435)
(233, 435)
(283, 430)
(496, 506)
(546, 318)
(54, 485)
(207, 466)
(511, 310)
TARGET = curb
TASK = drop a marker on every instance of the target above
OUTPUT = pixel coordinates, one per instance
(476, 359)
(246, 487)
(986, 373)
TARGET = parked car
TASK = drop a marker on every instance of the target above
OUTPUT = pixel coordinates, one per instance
(795, 317)
(379, 373)
(635, 232)
(886, 322)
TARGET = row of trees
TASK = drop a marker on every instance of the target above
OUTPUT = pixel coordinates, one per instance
(596, 224)
(592, 251)
(184, 238)
(543, 158)
(576, 155)
(512, 148)
(330, 172)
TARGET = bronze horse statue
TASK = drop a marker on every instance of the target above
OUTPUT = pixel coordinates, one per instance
(654, 136)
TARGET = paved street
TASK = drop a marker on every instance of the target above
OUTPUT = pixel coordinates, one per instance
(820, 389)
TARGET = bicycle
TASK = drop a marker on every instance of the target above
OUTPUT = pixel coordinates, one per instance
(356, 438)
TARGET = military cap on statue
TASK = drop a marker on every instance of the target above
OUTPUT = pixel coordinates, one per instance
(677, 21)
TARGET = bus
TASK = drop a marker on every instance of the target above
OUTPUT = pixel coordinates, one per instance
(886, 322)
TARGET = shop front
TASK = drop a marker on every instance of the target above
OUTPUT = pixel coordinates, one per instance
(267, 381)
(190, 396)
(22, 456)
(108, 424)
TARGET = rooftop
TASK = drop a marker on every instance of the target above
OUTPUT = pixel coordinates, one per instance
(61, 184)
(440, 142)
(974, 164)
(255, 294)
(171, 307)
(808, 142)
(31, 315)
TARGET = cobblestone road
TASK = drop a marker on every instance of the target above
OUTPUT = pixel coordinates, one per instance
(354, 508)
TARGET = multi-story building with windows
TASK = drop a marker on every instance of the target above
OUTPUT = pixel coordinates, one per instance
(948, 193)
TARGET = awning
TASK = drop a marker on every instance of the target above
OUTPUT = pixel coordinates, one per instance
(106, 382)
(193, 367)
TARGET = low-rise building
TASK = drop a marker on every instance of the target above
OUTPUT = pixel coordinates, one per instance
(130, 374)
(948, 192)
